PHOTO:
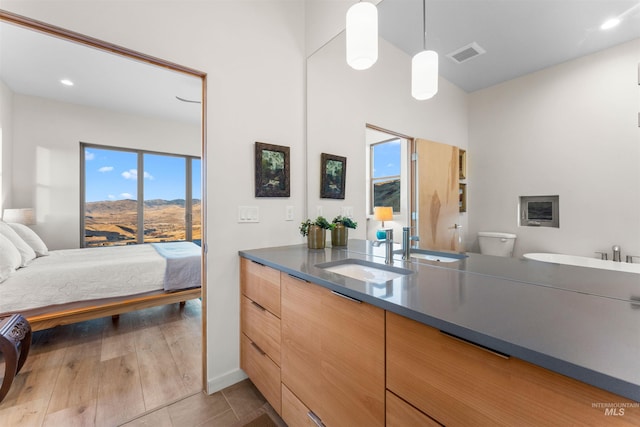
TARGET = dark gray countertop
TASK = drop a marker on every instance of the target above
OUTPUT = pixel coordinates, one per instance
(577, 321)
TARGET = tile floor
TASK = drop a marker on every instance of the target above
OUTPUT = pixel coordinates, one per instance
(230, 407)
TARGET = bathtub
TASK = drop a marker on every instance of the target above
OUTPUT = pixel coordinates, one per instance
(584, 262)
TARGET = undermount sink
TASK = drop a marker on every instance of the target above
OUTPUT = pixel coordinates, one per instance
(436, 256)
(365, 270)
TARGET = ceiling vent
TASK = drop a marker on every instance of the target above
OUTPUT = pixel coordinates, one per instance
(465, 53)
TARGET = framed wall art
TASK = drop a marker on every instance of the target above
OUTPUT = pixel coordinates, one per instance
(272, 170)
(333, 174)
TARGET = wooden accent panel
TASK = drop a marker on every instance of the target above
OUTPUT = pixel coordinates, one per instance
(460, 385)
(333, 354)
(95, 309)
(401, 414)
(438, 194)
(261, 284)
(264, 373)
(294, 413)
(262, 327)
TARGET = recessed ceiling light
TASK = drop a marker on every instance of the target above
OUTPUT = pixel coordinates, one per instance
(610, 23)
(66, 82)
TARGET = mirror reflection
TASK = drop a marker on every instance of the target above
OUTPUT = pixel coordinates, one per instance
(550, 109)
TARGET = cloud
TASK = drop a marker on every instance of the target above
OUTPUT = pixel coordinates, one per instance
(111, 197)
(130, 174)
(89, 155)
(133, 174)
(126, 196)
(105, 169)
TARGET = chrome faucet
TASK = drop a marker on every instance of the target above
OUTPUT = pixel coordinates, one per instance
(616, 253)
(388, 242)
(406, 242)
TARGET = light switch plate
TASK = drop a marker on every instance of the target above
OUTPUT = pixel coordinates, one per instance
(347, 211)
(288, 216)
(319, 210)
(248, 214)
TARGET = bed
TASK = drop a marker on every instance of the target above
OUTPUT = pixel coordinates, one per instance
(72, 285)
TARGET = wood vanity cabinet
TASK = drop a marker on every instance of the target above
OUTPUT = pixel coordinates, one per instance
(332, 357)
(459, 384)
(260, 328)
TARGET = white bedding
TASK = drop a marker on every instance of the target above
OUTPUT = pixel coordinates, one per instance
(71, 275)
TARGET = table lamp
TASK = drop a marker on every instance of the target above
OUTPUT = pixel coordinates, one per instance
(382, 213)
(24, 216)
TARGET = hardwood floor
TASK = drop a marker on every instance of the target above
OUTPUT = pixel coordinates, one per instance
(100, 373)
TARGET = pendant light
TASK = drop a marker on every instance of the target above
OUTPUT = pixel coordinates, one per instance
(424, 67)
(362, 35)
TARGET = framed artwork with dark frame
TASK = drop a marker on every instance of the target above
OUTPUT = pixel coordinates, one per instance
(333, 176)
(272, 170)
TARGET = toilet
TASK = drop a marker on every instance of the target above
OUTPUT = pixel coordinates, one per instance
(495, 243)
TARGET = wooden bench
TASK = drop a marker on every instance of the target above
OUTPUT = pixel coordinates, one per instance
(15, 340)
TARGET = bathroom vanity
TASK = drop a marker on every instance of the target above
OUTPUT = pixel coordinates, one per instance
(481, 341)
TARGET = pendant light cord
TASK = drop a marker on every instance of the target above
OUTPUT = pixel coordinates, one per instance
(424, 24)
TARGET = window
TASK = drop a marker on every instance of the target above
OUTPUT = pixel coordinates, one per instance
(122, 206)
(385, 183)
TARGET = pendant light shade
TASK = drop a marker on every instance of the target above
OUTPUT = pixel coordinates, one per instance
(424, 75)
(362, 35)
(424, 66)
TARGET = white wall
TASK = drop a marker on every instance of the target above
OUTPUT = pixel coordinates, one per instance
(6, 145)
(341, 101)
(570, 130)
(253, 52)
(46, 153)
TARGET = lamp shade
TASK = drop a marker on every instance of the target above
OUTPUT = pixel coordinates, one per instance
(383, 213)
(424, 75)
(24, 216)
(362, 35)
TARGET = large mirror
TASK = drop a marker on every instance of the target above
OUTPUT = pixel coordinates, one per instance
(550, 108)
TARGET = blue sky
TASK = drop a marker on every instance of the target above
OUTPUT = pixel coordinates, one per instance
(112, 175)
(386, 159)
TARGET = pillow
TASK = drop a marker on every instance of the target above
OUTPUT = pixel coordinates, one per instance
(26, 253)
(31, 238)
(10, 258)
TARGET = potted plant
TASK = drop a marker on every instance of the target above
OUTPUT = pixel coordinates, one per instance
(340, 230)
(315, 231)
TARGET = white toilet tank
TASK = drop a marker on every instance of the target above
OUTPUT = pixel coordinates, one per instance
(498, 244)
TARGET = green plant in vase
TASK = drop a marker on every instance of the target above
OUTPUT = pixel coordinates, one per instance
(315, 231)
(340, 231)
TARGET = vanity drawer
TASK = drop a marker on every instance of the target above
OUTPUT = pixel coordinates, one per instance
(262, 327)
(294, 412)
(457, 383)
(261, 284)
(264, 373)
(401, 414)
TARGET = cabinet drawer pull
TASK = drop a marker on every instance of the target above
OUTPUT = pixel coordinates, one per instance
(297, 278)
(258, 306)
(479, 346)
(259, 263)
(258, 349)
(346, 297)
(315, 419)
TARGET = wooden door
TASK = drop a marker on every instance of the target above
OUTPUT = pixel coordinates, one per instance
(438, 186)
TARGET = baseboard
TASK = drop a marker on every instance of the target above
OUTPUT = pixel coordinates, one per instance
(223, 381)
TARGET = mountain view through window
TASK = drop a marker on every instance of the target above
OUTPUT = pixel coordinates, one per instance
(169, 187)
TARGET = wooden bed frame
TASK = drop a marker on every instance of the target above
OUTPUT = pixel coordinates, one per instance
(114, 306)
